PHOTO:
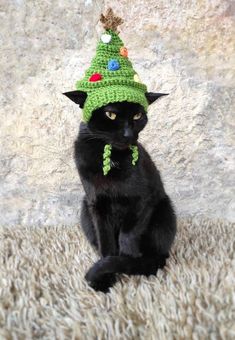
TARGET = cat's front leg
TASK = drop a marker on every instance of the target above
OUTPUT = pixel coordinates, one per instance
(106, 239)
(104, 231)
(129, 244)
(129, 237)
(106, 246)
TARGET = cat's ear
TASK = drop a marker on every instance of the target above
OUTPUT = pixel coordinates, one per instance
(77, 97)
(152, 96)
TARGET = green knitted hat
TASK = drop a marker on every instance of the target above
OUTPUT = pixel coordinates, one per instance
(111, 77)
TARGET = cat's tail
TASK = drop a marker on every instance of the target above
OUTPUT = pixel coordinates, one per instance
(126, 265)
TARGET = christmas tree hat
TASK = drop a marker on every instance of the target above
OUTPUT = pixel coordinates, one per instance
(110, 77)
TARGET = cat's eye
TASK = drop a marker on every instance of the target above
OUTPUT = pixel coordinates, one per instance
(137, 116)
(110, 115)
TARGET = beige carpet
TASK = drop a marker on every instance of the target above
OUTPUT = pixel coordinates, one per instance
(43, 293)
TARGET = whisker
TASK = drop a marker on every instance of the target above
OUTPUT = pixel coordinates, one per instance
(93, 135)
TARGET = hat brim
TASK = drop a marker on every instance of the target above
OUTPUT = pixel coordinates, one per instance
(113, 94)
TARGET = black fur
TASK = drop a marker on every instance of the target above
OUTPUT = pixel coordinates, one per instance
(126, 216)
(78, 97)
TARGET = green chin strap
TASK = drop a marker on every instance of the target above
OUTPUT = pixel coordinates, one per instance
(107, 159)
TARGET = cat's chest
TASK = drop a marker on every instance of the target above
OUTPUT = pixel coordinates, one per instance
(110, 184)
(115, 164)
(121, 171)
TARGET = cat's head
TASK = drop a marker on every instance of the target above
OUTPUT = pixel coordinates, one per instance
(117, 123)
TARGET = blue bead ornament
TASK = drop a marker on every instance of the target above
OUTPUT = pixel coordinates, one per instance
(113, 65)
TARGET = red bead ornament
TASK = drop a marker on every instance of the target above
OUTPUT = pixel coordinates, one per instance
(95, 77)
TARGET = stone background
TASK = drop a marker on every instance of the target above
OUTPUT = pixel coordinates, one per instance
(182, 47)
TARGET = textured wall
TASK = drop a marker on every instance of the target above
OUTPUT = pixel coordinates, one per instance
(182, 47)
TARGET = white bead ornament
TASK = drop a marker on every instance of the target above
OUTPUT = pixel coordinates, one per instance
(106, 38)
(137, 78)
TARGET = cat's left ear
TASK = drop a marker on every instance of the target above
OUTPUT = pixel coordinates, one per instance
(77, 97)
(152, 96)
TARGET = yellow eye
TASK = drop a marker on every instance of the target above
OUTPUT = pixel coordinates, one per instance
(110, 115)
(137, 116)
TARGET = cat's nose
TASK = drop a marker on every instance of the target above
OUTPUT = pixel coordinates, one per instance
(128, 133)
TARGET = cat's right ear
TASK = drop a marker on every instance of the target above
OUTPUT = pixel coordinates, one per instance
(152, 96)
(77, 97)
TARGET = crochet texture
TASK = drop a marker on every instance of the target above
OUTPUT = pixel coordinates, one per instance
(111, 77)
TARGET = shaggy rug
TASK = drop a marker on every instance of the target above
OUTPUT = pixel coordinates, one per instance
(43, 294)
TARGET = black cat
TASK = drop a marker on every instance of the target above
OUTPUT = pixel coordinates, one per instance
(126, 215)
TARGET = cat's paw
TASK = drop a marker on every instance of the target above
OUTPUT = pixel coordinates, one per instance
(101, 283)
(99, 280)
(95, 271)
